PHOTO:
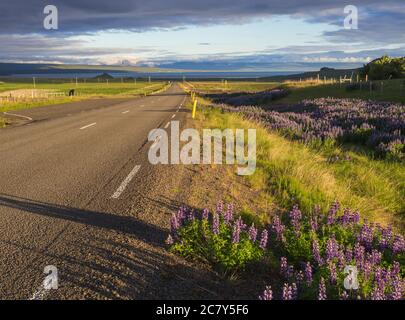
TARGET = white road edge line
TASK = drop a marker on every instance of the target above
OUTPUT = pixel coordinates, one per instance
(125, 183)
(17, 115)
(88, 126)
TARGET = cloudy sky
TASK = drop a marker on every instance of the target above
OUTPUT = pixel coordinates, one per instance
(211, 34)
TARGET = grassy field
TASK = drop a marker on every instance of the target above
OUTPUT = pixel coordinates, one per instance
(294, 238)
(292, 173)
(289, 172)
(57, 92)
(388, 90)
(220, 86)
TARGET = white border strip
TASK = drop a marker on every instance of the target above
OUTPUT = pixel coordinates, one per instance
(125, 183)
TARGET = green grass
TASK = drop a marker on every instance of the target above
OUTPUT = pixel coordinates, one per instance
(82, 91)
(232, 86)
(291, 173)
(393, 90)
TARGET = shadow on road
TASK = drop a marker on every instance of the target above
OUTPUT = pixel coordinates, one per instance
(125, 224)
(131, 263)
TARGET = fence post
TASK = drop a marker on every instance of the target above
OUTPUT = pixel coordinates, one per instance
(194, 108)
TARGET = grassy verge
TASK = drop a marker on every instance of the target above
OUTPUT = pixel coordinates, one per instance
(291, 173)
(82, 91)
(301, 251)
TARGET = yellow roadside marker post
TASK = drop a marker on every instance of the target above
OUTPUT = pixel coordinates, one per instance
(194, 108)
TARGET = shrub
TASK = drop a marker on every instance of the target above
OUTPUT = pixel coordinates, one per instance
(316, 251)
(226, 243)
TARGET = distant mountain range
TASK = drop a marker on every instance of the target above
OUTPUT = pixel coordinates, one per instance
(9, 69)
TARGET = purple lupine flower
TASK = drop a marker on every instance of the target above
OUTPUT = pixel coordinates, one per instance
(359, 252)
(286, 270)
(344, 295)
(290, 272)
(220, 207)
(355, 219)
(241, 224)
(308, 273)
(228, 215)
(264, 239)
(314, 219)
(322, 290)
(377, 293)
(367, 268)
(316, 253)
(294, 291)
(174, 224)
(181, 214)
(341, 257)
(253, 233)
(379, 283)
(299, 276)
(236, 232)
(267, 294)
(395, 270)
(348, 255)
(366, 235)
(375, 257)
(397, 290)
(346, 217)
(205, 214)
(332, 213)
(169, 240)
(191, 215)
(314, 224)
(283, 266)
(398, 245)
(386, 238)
(287, 292)
(332, 248)
(215, 224)
(278, 228)
(295, 217)
(333, 273)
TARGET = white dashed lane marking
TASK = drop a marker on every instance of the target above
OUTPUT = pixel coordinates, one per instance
(125, 183)
(88, 126)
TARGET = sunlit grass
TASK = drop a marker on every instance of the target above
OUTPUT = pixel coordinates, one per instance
(292, 173)
(82, 91)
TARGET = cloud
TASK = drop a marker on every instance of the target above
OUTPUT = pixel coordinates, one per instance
(23, 38)
(31, 48)
(81, 16)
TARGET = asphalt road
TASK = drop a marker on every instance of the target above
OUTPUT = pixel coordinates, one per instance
(72, 184)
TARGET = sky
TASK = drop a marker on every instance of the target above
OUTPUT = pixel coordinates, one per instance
(260, 35)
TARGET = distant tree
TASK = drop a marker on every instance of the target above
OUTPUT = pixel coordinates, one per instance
(385, 68)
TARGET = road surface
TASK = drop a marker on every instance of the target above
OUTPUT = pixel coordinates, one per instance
(72, 186)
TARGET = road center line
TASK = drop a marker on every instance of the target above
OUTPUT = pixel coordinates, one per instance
(125, 183)
(125, 112)
(88, 126)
